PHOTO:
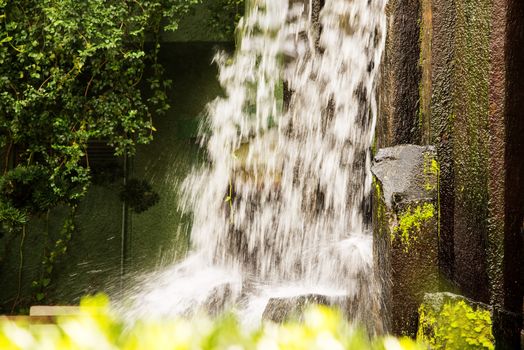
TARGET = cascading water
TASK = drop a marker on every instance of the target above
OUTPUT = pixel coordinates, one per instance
(279, 211)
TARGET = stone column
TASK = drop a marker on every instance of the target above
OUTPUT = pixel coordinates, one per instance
(471, 102)
(437, 55)
(505, 258)
(405, 226)
(399, 87)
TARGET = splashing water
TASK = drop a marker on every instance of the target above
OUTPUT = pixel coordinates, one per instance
(281, 204)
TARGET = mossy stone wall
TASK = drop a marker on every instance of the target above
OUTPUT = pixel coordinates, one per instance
(470, 92)
(470, 151)
(449, 321)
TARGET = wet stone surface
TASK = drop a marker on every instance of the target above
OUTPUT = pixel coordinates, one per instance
(282, 309)
(407, 173)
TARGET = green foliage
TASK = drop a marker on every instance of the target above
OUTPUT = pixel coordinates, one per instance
(225, 15)
(410, 223)
(26, 189)
(139, 195)
(456, 326)
(96, 328)
(71, 72)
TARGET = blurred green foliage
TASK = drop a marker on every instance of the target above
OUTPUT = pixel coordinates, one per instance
(139, 195)
(96, 328)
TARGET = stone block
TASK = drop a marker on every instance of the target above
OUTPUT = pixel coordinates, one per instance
(44, 310)
(405, 229)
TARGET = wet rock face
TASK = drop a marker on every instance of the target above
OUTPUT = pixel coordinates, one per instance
(407, 173)
(405, 230)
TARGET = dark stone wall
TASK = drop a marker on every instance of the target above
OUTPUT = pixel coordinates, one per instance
(470, 105)
(161, 234)
(514, 194)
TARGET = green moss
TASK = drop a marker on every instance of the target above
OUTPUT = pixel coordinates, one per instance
(456, 326)
(410, 223)
(378, 197)
(431, 172)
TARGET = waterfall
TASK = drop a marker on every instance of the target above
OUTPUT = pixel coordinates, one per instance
(279, 208)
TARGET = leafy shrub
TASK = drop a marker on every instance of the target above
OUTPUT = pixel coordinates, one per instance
(98, 329)
(72, 72)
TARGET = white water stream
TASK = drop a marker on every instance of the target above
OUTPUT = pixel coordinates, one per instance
(279, 209)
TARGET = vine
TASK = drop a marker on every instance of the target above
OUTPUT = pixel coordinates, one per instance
(52, 255)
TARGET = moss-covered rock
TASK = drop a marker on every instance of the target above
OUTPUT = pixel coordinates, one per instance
(449, 321)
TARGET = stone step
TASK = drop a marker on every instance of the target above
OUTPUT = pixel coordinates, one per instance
(61, 310)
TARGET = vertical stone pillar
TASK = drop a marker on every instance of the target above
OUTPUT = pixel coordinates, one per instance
(405, 226)
(399, 87)
(438, 24)
(470, 148)
(506, 171)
